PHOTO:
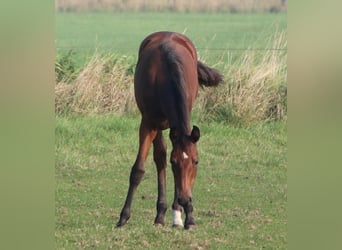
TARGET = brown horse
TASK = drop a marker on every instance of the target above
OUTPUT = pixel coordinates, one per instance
(166, 83)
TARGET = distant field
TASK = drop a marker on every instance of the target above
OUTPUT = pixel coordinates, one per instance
(240, 193)
(212, 33)
(232, 6)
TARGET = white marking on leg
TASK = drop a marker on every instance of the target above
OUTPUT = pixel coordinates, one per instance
(177, 218)
(185, 156)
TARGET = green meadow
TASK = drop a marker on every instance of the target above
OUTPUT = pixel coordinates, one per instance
(240, 194)
(214, 34)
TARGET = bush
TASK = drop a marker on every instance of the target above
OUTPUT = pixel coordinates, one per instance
(65, 67)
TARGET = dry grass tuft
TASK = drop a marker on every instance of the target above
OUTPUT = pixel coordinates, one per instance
(103, 86)
(255, 88)
(172, 5)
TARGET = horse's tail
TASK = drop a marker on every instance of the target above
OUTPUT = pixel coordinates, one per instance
(176, 90)
(207, 76)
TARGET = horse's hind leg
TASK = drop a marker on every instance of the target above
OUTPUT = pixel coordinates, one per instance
(146, 136)
(159, 155)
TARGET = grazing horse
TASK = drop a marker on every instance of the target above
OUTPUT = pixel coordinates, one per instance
(166, 83)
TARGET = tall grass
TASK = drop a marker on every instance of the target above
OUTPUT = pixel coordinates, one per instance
(255, 88)
(104, 85)
(172, 5)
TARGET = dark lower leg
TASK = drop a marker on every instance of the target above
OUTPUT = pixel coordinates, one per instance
(159, 154)
(161, 202)
(146, 136)
(135, 178)
(189, 220)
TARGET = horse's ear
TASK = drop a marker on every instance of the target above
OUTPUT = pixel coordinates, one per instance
(195, 134)
(173, 134)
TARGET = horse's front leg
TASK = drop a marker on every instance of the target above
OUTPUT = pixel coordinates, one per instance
(146, 136)
(189, 220)
(159, 155)
(177, 212)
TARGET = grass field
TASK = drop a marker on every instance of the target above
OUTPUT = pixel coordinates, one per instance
(240, 192)
(121, 33)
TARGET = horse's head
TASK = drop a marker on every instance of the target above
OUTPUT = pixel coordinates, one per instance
(184, 160)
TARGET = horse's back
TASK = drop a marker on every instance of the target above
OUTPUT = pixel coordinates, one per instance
(154, 40)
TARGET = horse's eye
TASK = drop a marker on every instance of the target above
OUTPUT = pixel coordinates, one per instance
(172, 161)
(196, 162)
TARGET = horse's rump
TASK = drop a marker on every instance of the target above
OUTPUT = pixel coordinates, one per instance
(166, 82)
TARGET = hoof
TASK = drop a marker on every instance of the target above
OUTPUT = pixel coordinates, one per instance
(190, 227)
(158, 224)
(159, 221)
(121, 223)
(177, 226)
